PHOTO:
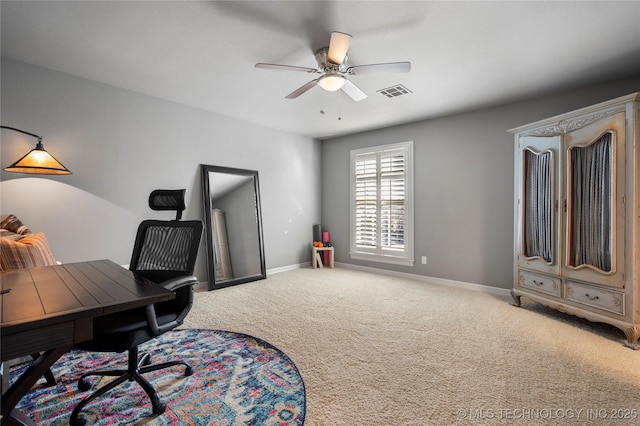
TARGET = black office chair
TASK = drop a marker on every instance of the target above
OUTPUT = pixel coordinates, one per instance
(164, 252)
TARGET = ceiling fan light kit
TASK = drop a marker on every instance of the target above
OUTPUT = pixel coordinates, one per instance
(331, 64)
(331, 82)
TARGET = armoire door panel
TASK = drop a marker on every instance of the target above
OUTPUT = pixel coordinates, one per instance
(538, 243)
(594, 219)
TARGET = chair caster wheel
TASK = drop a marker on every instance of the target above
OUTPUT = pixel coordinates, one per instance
(158, 409)
(78, 421)
(144, 360)
(83, 385)
(188, 371)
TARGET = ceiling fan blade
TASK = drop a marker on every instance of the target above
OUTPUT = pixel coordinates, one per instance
(299, 91)
(353, 91)
(338, 47)
(286, 67)
(395, 67)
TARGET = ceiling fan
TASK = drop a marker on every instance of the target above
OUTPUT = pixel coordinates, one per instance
(332, 65)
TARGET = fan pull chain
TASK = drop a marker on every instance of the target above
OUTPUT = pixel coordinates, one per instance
(339, 105)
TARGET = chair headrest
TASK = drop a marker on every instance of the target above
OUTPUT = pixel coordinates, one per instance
(168, 199)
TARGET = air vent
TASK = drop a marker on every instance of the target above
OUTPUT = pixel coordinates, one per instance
(394, 91)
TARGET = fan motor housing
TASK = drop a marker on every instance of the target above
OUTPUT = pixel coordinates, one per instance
(322, 57)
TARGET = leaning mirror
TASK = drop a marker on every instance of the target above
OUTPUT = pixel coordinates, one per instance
(233, 225)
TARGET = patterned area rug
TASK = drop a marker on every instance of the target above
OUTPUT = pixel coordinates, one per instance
(237, 380)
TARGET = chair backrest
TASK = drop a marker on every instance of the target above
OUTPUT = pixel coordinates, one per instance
(166, 249)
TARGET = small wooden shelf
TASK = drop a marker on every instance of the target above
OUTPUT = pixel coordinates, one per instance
(316, 258)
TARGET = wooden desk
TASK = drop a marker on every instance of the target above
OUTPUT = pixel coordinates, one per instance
(49, 309)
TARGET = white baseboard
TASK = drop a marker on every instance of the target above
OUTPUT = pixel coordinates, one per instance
(203, 285)
(288, 268)
(503, 292)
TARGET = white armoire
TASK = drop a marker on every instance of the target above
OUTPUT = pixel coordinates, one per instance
(577, 213)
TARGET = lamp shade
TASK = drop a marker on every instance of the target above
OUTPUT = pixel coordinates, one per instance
(37, 161)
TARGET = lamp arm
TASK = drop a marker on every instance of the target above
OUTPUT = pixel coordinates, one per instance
(22, 131)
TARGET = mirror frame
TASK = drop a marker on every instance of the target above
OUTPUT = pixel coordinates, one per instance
(206, 203)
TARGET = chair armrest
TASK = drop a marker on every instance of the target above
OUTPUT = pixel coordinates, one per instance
(171, 285)
(176, 283)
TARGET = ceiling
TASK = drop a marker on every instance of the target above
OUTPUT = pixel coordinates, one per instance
(464, 55)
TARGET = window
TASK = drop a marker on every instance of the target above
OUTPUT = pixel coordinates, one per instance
(382, 204)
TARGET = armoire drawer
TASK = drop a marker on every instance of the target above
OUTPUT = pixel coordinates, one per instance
(539, 282)
(598, 297)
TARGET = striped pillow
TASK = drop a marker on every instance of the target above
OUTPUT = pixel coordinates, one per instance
(4, 233)
(13, 224)
(32, 250)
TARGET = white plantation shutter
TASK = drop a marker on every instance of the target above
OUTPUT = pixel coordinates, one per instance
(392, 212)
(366, 201)
(381, 204)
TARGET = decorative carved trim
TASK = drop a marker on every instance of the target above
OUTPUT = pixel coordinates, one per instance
(567, 126)
(616, 300)
(569, 290)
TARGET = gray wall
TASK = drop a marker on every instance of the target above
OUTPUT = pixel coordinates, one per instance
(463, 185)
(120, 145)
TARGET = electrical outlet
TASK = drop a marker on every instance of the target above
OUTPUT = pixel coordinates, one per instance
(424, 260)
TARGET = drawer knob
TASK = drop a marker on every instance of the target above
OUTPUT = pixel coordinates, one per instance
(591, 298)
(538, 283)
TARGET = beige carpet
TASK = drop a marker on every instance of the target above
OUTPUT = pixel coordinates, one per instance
(380, 350)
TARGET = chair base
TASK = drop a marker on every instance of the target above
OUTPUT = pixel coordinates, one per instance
(135, 369)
